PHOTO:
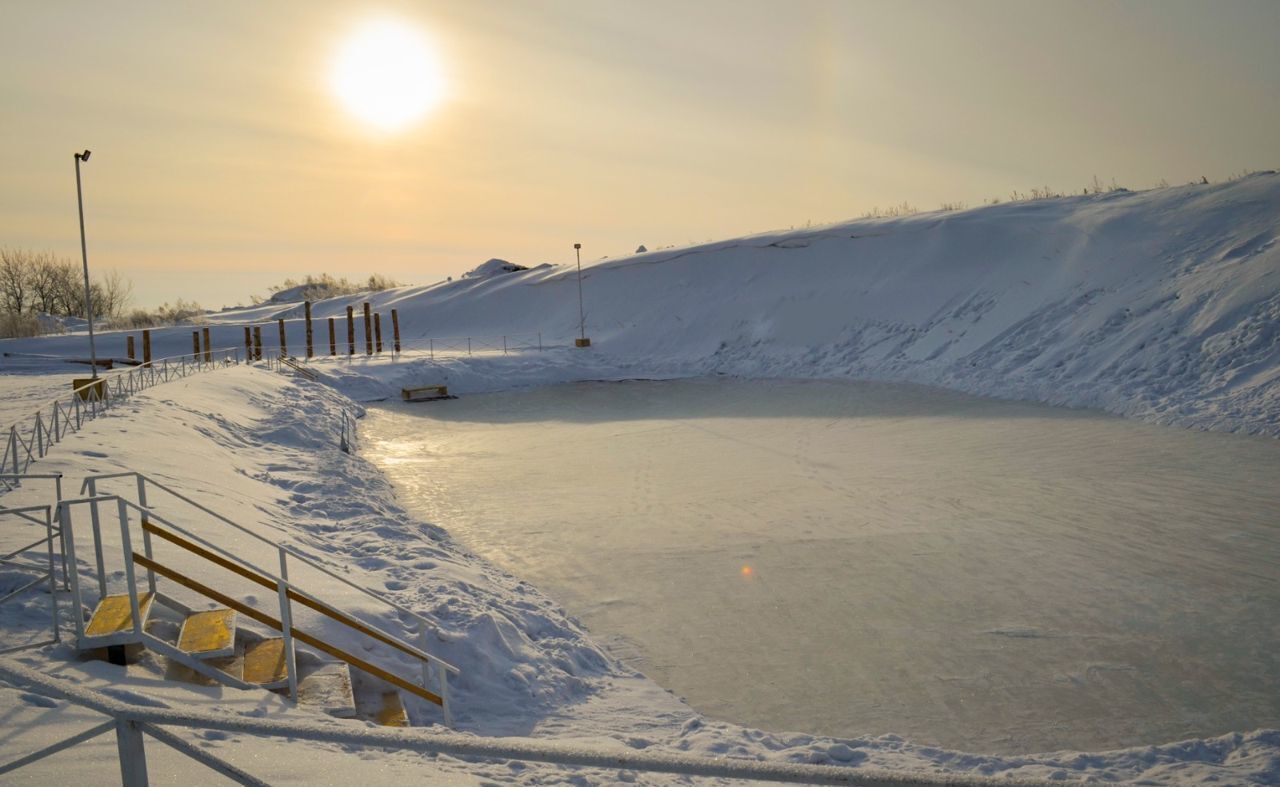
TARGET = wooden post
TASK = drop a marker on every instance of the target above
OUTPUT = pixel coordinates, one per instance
(208, 349)
(146, 347)
(395, 330)
(257, 342)
(195, 345)
(351, 331)
(333, 338)
(284, 342)
(377, 330)
(368, 330)
(248, 344)
(128, 343)
(310, 350)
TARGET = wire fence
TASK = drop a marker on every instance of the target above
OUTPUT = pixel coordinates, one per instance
(32, 436)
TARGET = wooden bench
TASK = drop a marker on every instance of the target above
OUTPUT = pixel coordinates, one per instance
(426, 393)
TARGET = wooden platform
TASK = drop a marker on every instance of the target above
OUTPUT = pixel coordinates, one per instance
(264, 664)
(114, 615)
(426, 393)
(210, 634)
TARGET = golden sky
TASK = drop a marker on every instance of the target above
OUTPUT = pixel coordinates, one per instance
(223, 162)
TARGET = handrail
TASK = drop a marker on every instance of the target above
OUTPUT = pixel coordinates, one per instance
(302, 598)
(288, 550)
(275, 623)
(425, 741)
(67, 414)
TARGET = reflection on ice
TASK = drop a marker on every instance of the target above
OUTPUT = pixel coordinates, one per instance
(849, 558)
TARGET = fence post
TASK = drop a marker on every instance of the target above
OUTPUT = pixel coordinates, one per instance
(377, 330)
(195, 345)
(333, 338)
(351, 331)
(257, 342)
(146, 347)
(128, 344)
(539, 341)
(133, 755)
(284, 341)
(208, 349)
(504, 345)
(468, 345)
(307, 307)
(368, 330)
(395, 330)
(431, 345)
(248, 344)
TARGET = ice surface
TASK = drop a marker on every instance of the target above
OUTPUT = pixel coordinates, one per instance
(849, 559)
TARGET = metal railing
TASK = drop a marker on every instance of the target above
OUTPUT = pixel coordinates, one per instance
(33, 435)
(41, 516)
(435, 671)
(130, 721)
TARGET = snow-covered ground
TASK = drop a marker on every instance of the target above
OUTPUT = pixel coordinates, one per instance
(1159, 305)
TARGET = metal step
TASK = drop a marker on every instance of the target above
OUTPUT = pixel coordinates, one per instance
(391, 712)
(264, 664)
(329, 689)
(210, 634)
(112, 620)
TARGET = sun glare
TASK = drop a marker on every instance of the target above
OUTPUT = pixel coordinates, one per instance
(386, 75)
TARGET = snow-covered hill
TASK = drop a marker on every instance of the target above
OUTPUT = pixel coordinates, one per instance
(1161, 305)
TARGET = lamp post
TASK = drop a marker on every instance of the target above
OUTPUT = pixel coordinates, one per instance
(84, 256)
(582, 341)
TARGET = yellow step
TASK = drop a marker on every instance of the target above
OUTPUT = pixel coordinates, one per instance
(210, 634)
(114, 615)
(264, 663)
(391, 712)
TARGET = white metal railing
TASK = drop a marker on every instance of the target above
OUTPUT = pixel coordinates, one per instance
(41, 516)
(31, 437)
(435, 671)
(130, 721)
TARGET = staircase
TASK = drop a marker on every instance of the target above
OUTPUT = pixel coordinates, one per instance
(175, 610)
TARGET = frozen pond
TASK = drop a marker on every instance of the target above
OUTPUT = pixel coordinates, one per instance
(854, 558)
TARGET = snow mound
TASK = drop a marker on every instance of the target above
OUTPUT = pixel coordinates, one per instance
(493, 267)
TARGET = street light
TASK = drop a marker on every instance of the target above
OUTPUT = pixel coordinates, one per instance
(84, 255)
(583, 341)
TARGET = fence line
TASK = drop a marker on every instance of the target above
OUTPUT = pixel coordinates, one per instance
(34, 434)
(131, 720)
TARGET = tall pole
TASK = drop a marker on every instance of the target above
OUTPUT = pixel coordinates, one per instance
(582, 315)
(84, 255)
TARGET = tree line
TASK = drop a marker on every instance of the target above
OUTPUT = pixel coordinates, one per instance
(34, 283)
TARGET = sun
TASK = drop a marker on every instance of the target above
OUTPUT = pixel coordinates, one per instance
(386, 75)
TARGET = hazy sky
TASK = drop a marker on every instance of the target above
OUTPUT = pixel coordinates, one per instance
(222, 161)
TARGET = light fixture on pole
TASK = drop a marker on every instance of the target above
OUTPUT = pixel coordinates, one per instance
(582, 340)
(84, 256)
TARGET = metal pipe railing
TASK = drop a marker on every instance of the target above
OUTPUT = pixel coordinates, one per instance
(69, 412)
(147, 480)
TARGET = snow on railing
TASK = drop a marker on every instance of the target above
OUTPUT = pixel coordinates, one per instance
(31, 437)
(130, 721)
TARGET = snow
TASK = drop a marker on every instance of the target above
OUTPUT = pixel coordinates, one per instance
(1160, 306)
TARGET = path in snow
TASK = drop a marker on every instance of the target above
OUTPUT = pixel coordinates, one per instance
(847, 558)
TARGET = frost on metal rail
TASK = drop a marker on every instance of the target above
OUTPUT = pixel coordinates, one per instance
(130, 721)
(31, 437)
